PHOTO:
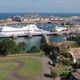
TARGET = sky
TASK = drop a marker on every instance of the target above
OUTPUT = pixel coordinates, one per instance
(42, 6)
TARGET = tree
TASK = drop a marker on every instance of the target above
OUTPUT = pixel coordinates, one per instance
(20, 48)
(44, 46)
(64, 75)
(7, 46)
(33, 49)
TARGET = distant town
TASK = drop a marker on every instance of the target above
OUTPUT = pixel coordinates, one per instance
(42, 19)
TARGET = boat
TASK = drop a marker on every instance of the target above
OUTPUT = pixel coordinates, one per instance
(9, 31)
(60, 29)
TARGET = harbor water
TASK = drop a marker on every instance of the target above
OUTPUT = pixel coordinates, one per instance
(35, 40)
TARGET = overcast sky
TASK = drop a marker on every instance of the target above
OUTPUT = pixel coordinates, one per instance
(49, 6)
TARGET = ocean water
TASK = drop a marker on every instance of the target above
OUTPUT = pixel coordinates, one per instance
(6, 15)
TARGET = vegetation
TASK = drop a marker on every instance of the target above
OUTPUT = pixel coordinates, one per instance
(44, 46)
(62, 71)
(53, 74)
(30, 67)
(43, 43)
(33, 49)
(20, 48)
(65, 53)
(67, 44)
(64, 74)
(65, 57)
(8, 46)
(6, 68)
(76, 39)
(65, 60)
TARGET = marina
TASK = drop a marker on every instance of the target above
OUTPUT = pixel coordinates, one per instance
(31, 30)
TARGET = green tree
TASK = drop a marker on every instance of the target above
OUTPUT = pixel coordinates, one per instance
(44, 46)
(64, 74)
(20, 48)
(33, 49)
(7, 46)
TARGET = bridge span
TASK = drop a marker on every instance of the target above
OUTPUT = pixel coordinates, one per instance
(30, 34)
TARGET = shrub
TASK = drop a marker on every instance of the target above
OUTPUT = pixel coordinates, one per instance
(53, 74)
(21, 47)
(7, 46)
(66, 54)
(66, 61)
(64, 74)
(33, 49)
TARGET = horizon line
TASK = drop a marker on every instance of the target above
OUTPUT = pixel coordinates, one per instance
(43, 12)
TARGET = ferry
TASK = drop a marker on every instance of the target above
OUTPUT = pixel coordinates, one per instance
(9, 31)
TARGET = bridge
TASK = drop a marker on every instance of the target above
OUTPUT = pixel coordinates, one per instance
(61, 32)
(30, 34)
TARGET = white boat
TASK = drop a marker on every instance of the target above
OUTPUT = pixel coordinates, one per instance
(8, 31)
(60, 28)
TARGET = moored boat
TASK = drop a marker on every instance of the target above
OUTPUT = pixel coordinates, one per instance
(8, 31)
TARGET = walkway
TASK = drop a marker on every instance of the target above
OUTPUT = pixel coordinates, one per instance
(46, 74)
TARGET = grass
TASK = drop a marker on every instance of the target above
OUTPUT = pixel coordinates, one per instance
(5, 68)
(71, 44)
(31, 67)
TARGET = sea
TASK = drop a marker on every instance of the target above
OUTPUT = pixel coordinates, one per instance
(6, 15)
(35, 41)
